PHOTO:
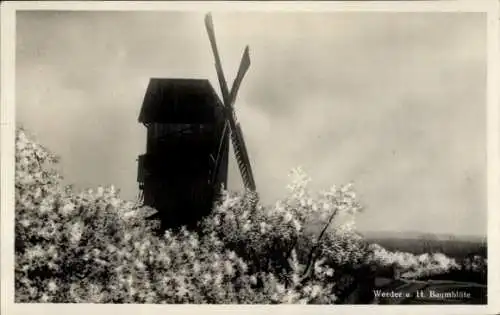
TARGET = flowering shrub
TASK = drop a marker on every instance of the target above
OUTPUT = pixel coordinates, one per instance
(425, 265)
(93, 247)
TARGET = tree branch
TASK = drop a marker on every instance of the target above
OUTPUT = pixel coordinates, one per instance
(312, 258)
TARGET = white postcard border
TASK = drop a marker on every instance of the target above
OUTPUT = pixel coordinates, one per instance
(7, 161)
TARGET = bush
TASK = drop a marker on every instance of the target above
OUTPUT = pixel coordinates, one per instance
(430, 266)
(93, 247)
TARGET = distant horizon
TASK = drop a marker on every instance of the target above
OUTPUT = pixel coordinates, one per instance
(418, 234)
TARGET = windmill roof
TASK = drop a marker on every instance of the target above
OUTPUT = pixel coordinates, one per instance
(173, 100)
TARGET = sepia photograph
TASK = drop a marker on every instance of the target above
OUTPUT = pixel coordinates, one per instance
(248, 157)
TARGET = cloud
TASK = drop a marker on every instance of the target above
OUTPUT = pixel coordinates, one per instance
(393, 101)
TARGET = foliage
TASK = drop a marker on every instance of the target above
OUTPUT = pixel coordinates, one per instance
(425, 266)
(93, 247)
(413, 266)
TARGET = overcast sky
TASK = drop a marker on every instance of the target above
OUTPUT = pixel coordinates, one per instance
(394, 102)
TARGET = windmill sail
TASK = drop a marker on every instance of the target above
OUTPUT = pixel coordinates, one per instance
(243, 159)
(237, 139)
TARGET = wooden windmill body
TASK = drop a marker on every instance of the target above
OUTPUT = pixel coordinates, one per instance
(189, 128)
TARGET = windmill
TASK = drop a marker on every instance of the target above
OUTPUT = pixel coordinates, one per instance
(232, 125)
(188, 131)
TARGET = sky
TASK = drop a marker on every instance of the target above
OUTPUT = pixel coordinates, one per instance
(393, 102)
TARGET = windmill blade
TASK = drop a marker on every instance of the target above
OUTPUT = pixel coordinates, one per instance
(244, 65)
(239, 146)
(248, 179)
(218, 65)
(228, 97)
(237, 138)
(241, 154)
(236, 134)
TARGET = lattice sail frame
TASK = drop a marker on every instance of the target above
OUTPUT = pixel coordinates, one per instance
(229, 97)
